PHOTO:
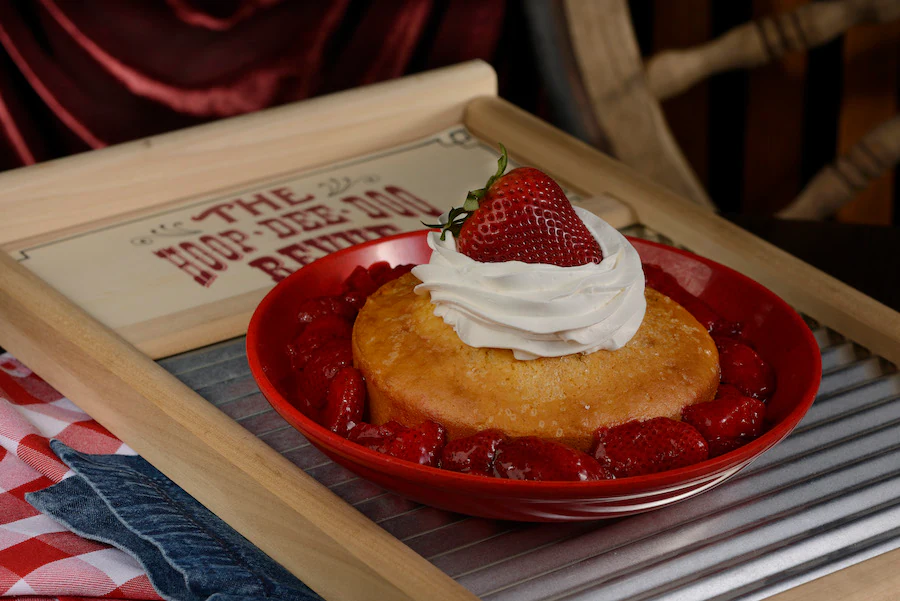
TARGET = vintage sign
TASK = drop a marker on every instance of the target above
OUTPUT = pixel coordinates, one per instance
(208, 251)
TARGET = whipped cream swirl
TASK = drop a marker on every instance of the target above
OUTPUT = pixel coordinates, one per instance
(539, 310)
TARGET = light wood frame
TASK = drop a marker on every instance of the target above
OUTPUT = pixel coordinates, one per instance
(333, 548)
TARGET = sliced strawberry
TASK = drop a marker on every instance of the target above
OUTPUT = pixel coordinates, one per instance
(382, 272)
(382, 276)
(720, 446)
(379, 272)
(355, 299)
(314, 308)
(327, 327)
(360, 281)
(665, 283)
(360, 284)
(532, 458)
(646, 447)
(400, 270)
(321, 368)
(375, 437)
(726, 423)
(297, 362)
(723, 327)
(345, 401)
(744, 369)
(473, 454)
(421, 445)
(521, 216)
(301, 401)
(727, 391)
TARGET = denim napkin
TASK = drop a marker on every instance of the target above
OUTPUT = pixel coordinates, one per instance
(188, 553)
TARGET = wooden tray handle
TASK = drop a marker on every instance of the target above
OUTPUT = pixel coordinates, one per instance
(334, 549)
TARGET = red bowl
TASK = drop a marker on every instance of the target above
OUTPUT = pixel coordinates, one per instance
(779, 334)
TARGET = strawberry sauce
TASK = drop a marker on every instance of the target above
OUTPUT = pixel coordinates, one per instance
(329, 390)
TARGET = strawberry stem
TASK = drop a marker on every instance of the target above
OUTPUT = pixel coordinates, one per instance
(458, 215)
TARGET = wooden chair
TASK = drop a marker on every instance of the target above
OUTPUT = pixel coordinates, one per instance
(604, 93)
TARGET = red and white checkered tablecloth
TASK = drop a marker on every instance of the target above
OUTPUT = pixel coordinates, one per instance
(39, 558)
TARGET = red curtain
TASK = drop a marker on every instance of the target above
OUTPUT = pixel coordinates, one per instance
(77, 75)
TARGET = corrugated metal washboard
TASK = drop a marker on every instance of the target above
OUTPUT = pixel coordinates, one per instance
(826, 497)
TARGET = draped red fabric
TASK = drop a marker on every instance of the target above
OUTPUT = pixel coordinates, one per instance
(78, 75)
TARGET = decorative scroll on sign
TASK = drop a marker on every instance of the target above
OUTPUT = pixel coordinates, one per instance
(215, 249)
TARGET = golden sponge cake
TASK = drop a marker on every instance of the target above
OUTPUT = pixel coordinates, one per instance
(417, 368)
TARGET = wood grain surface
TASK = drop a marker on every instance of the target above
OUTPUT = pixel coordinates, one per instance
(299, 523)
(876, 579)
(334, 549)
(93, 190)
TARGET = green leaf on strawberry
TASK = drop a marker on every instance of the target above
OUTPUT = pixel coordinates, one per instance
(458, 215)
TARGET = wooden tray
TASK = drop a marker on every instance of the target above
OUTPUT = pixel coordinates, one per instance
(335, 550)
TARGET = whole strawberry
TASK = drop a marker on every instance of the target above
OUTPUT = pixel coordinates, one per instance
(637, 447)
(521, 216)
(726, 423)
(473, 454)
(532, 458)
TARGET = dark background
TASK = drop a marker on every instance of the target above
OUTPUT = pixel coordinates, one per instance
(80, 75)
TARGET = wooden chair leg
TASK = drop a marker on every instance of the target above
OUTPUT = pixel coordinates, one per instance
(612, 73)
(759, 42)
(837, 184)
